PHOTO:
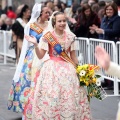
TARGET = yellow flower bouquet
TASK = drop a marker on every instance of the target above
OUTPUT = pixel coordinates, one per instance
(88, 78)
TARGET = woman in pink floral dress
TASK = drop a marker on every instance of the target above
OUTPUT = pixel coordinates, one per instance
(58, 95)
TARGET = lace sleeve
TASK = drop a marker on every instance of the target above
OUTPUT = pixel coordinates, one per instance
(74, 45)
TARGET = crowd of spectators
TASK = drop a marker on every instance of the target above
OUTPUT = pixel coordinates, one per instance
(80, 16)
(7, 18)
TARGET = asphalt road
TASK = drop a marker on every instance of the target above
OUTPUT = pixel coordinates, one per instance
(101, 110)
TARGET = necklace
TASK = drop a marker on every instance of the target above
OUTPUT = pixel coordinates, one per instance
(59, 36)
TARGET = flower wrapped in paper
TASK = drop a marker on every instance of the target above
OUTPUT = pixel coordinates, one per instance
(88, 78)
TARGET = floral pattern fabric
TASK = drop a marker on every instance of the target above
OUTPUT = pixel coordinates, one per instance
(19, 91)
(27, 114)
(57, 95)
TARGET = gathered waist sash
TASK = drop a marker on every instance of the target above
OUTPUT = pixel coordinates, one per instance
(56, 58)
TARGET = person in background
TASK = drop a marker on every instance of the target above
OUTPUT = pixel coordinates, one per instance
(28, 64)
(36, 64)
(101, 14)
(10, 13)
(109, 30)
(58, 7)
(72, 20)
(63, 5)
(101, 9)
(86, 19)
(101, 4)
(95, 7)
(56, 2)
(19, 8)
(18, 29)
(2, 26)
(78, 13)
(50, 5)
(8, 24)
(110, 25)
(3, 17)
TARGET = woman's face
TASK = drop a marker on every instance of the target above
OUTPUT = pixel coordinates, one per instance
(109, 11)
(56, 8)
(45, 14)
(87, 12)
(27, 14)
(60, 23)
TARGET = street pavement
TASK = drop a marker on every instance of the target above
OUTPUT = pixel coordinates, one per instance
(101, 110)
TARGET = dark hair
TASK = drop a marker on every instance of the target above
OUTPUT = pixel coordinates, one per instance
(96, 1)
(101, 4)
(114, 6)
(59, 6)
(117, 2)
(24, 9)
(86, 7)
(18, 29)
(82, 16)
(54, 17)
(63, 4)
(79, 10)
(43, 6)
(75, 7)
(10, 8)
(95, 7)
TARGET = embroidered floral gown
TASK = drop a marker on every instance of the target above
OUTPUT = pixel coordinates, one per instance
(58, 95)
(19, 92)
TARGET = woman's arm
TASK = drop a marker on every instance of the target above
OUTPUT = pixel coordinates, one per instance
(40, 52)
(115, 30)
(14, 37)
(73, 57)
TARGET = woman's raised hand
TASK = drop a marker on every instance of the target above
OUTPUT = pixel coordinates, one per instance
(102, 57)
(31, 39)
